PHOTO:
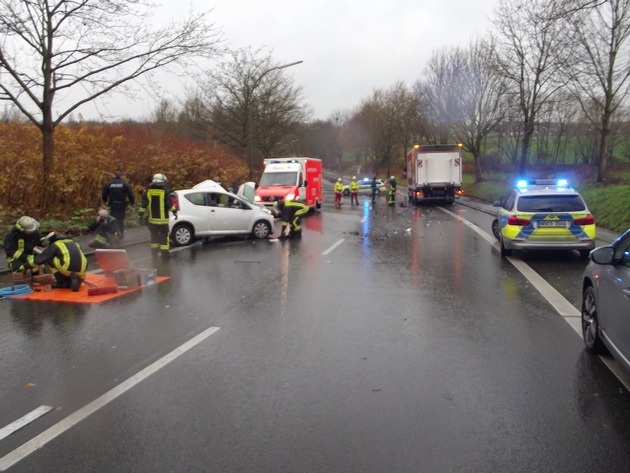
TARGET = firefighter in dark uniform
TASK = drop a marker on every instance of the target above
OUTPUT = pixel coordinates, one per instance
(19, 244)
(154, 210)
(392, 191)
(291, 212)
(66, 261)
(118, 194)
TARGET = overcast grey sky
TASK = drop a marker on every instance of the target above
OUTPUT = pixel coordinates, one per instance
(349, 47)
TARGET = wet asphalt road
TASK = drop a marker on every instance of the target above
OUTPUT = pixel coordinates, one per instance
(385, 340)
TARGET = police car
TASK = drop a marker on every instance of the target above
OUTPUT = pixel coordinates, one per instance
(544, 215)
(365, 187)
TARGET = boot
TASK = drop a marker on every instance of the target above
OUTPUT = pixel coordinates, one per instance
(75, 282)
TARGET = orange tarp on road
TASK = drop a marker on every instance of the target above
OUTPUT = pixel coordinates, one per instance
(81, 296)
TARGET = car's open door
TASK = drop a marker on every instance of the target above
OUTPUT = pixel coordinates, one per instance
(248, 192)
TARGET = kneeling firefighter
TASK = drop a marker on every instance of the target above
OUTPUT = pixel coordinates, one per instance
(65, 260)
(20, 242)
(291, 211)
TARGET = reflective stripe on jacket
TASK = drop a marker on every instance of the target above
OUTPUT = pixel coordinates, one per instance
(64, 256)
(157, 202)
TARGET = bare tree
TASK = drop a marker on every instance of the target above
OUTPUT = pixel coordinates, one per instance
(601, 77)
(438, 94)
(251, 104)
(81, 50)
(408, 121)
(378, 116)
(535, 45)
(354, 139)
(480, 97)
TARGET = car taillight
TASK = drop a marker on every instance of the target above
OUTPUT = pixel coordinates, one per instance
(588, 220)
(514, 220)
(419, 193)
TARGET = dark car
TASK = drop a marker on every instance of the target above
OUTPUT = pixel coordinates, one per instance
(606, 300)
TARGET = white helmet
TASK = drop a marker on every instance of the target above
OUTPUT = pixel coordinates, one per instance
(159, 178)
(27, 224)
(354, 178)
(339, 179)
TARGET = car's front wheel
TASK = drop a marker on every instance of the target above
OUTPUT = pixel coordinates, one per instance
(590, 322)
(261, 230)
(346, 192)
(183, 234)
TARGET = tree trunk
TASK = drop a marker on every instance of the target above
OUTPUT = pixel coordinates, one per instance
(527, 138)
(603, 147)
(48, 150)
(478, 170)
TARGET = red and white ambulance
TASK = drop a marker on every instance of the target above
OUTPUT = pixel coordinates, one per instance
(291, 179)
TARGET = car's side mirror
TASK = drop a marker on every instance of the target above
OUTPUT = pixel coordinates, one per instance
(603, 255)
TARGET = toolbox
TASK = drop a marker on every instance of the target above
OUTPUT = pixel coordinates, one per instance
(126, 278)
(146, 276)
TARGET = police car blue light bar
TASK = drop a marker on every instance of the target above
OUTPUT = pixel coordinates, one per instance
(524, 183)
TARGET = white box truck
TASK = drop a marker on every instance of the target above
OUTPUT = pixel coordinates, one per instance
(434, 173)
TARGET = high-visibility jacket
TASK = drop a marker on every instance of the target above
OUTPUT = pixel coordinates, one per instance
(19, 246)
(354, 186)
(392, 186)
(64, 256)
(292, 212)
(156, 204)
(338, 186)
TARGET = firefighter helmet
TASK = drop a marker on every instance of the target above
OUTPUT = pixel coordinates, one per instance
(27, 224)
(159, 178)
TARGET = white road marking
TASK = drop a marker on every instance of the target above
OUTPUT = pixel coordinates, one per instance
(333, 247)
(565, 309)
(24, 420)
(42, 439)
(557, 300)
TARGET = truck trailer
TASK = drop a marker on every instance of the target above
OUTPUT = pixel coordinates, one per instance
(434, 173)
(290, 179)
